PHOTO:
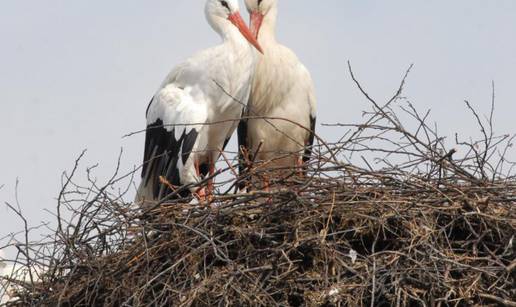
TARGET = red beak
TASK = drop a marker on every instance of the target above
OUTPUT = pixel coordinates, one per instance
(237, 20)
(256, 23)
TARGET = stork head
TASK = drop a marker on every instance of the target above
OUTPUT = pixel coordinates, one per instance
(219, 12)
(258, 10)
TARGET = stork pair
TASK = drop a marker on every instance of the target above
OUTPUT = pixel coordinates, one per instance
(199, 105)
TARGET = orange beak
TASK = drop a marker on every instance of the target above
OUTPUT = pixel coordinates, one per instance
(236, 19)
(256, 23)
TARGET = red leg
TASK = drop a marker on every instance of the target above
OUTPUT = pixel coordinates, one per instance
(299, 165)
(266, 188)
(201, 192)
(266, 183)
(211, 187)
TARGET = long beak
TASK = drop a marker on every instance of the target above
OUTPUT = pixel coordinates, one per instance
(256, 23)
(237, 20)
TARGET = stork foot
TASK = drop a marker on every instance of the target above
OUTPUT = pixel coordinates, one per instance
(269, 200)
(205, 194)
(202, 195)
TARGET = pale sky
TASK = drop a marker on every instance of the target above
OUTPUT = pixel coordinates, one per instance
(78, 74)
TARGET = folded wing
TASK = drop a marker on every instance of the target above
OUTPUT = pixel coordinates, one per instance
(174, 126)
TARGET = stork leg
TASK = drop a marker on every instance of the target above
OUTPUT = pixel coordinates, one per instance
(244, 170)
(211, 187)
(201, 192)
(266, 183)
(266, 188)
(299, 166)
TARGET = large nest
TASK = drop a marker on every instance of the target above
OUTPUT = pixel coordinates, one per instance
(414, 225)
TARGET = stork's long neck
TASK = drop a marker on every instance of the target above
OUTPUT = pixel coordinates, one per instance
(230, 35)
(237, 56)
(233, 37)
(267, 33)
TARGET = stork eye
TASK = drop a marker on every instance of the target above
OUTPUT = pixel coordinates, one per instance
(225, 4)
(259, 2)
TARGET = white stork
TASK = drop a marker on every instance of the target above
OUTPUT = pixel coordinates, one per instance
(282, 88)
(192, 116)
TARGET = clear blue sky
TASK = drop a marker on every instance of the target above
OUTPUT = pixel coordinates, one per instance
(79, 74)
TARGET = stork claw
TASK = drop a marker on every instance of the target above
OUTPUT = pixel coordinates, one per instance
(201, 195)
(204, 195)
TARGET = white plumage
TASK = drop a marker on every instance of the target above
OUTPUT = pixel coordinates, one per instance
(192, 115)
(282, 88)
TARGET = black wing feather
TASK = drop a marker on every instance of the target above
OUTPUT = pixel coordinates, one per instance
(310, 141)
(242, 143)
(161, 156)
